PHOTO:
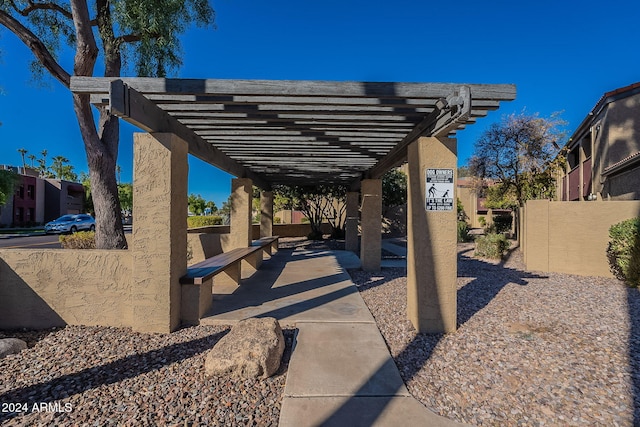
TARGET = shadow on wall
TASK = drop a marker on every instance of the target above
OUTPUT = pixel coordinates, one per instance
(20, 306)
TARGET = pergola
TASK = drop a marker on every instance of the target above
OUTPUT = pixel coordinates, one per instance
(304, 133)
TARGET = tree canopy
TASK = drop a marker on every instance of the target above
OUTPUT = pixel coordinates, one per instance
(128, 35)
(8, 179)
(519, 156)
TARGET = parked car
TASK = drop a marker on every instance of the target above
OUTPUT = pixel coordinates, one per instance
(71, 224)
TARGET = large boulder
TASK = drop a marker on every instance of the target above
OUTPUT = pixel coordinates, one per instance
(252, 349)
(11, 346)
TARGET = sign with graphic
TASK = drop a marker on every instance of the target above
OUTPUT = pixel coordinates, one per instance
(439, 190)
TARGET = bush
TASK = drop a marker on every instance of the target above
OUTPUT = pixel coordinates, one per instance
(503, 223)
(623, 251)
(203, 221)
(463, 232)
(315, 235)
(492, 245)
(79, 240)
(277, 220)
(482, 220)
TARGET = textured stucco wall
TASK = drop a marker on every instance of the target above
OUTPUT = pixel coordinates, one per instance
(159, 246)
(50, 287)
(570, 237)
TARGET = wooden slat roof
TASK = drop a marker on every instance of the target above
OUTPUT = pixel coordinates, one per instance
(295, 132)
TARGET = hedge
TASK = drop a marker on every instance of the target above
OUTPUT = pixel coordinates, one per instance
(623, 251)
(492, 245)
(79, 240)
(203, 221)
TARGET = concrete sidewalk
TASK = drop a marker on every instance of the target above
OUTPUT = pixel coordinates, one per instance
(341, 372)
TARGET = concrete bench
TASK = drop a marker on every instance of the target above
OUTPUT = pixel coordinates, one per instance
(197, 284)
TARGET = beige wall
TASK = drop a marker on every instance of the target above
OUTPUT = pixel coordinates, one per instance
(569, 237)
(49, 287)
(469, 200)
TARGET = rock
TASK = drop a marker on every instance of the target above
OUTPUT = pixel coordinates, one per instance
(11, 346)
(252, 349)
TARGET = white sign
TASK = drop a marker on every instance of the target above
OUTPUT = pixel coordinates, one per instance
(440, 193)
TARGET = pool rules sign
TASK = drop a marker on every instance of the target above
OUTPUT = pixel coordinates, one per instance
(439, 190)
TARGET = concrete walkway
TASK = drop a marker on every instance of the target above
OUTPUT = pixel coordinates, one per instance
(341, 372)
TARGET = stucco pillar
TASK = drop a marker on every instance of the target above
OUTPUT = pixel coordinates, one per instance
(351, 223)
(266, 213)
(159, 246)
(371, 221)
(241, 195)
(431, 235)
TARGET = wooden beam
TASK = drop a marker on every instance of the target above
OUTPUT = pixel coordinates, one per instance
(133, 107)
(454, 110)
(504, 92)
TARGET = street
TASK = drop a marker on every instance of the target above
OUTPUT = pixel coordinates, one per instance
(34, 242)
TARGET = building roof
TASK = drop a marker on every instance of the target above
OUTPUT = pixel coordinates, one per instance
(605, 99)
(296, 132)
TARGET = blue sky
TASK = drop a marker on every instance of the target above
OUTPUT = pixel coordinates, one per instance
(562, 56)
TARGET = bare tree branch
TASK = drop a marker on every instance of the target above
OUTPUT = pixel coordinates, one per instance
(41, 6)
(36, 46)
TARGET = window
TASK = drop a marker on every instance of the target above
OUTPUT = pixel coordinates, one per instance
(20, 192)
(31, 192)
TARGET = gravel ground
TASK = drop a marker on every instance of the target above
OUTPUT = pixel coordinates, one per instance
(98, 376)
(531, 349)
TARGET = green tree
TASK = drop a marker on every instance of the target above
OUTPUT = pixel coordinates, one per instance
(196, 203)
(211, 205)
(8, 180)
(125, 194)
(394, 188)
(88, 200)
(317, 203)
(23, 153)
(61, 170)
(143, 33)
(32, 158)
(519, 157)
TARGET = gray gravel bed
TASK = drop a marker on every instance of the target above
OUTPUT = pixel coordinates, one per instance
(531, 349)
(99, 376)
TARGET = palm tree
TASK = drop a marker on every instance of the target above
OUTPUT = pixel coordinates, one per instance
(32, 157)
(23, 152)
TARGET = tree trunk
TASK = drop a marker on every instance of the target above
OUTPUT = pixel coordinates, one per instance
(101, 157)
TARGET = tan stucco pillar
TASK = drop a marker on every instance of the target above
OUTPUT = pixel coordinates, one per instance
(266, 213)
(241, 195)
(371, 221)
(431, 251)
(159, 244)
(351, 223)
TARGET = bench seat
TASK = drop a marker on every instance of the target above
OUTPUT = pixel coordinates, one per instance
(199, 273)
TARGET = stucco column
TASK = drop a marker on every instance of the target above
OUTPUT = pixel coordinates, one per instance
(241, 195)
(266, 213)
(159, 246)
(431, 250)
(351, 223)
(371, 221)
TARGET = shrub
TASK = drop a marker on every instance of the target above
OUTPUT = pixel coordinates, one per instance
(503, 223)
(277, 220)
(463, 232)
(492, 245)
(482, 220)
(623, 251)
(203, 221)
(79, 240)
